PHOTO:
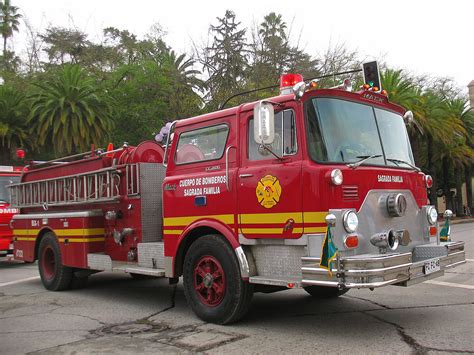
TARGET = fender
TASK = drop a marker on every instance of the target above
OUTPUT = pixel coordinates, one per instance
(222, 229)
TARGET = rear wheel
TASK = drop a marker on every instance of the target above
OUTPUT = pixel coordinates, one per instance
(212, 283)
(325, 292)
(54, 275)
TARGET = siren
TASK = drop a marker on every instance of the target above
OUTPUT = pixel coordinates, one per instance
(287, 81)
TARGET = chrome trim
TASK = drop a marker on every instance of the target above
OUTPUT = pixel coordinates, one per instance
(165, 160)
(80, 214)
(227, 166)
(169, 266)
(370, 270)
(243, 263)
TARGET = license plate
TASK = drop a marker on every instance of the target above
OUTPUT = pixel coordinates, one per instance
(432, 266)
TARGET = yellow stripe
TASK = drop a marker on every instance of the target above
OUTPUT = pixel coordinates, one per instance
(178, 232)
(26, 239)
(24, 232)
(314, 217)
(315, 229)
(81, 240)
(63, 232)
(269, 218)
(269, 230)
(84, 231)
(184, 221)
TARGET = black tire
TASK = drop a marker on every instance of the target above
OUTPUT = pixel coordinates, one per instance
(325, 292)
(141, 276)
(232, 299)
(54, 275)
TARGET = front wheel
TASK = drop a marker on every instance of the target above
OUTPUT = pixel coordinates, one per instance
(212, 283)
(325, 292)
(54, 275)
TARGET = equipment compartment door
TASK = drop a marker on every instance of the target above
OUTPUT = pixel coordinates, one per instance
(270, 191)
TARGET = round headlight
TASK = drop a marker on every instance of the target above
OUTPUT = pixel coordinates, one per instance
(336, 177)
(350, 221)
(432, 215)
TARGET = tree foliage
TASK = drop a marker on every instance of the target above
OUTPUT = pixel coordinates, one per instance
(69, 112)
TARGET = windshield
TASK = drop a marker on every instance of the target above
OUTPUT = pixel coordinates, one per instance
(4, 182)
(345, 132)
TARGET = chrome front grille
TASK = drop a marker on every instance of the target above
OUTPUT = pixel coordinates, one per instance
(350, 193)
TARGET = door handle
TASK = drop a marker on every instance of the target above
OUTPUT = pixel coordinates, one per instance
(245, 175)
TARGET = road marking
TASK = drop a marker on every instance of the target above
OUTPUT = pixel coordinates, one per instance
(19, 281)
(450, 284)
(471, 260)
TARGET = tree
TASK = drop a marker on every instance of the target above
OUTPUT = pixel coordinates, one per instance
(64, 45)
(13, 128)
(70, 111)
(9, 22)
(225, 59)
(458, 151)
(185, 83)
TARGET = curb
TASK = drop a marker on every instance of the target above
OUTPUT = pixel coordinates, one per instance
(458, 221)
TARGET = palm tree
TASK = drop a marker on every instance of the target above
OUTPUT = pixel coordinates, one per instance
(459, 150)
(69, 111)
(185, 84)
(9, 22)
(13, 129)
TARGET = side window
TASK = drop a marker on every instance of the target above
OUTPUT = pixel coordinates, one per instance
(202, 144)
(285, 137)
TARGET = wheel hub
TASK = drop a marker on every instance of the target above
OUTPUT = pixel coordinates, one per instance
(209, 281)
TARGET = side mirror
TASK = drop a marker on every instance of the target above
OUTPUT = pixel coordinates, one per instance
(408, 118)
(264, 123)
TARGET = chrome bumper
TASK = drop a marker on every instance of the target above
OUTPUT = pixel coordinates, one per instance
(370, 271)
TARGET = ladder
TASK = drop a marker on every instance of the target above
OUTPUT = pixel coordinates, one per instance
(103, 185)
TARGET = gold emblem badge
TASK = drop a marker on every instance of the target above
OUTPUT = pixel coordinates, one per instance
(268, 191)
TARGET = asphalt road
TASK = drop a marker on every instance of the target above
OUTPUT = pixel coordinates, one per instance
(120, 315)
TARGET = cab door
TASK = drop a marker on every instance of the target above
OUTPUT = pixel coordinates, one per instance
(269, 180)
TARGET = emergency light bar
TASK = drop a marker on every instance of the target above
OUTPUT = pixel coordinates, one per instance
(287, 81)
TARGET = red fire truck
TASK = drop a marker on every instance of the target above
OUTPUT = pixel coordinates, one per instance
(314, 189)
(8, 176)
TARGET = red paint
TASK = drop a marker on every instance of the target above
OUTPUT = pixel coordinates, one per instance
(209, 281)
(305, 187)
(7, 212)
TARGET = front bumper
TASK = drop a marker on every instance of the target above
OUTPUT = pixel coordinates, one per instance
(370, 271)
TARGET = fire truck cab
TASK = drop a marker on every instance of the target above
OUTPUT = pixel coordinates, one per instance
(8, 176)
(243, 200)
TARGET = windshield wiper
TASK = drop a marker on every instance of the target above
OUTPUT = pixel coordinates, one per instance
(404, 162)
(364, 159)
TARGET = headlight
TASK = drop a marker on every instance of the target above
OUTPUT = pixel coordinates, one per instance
(350, 221)
(336, 177)
(432, 215)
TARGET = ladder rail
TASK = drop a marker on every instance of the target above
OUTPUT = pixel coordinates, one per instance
(103, 185)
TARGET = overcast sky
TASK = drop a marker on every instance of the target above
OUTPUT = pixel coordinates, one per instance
(425, 37)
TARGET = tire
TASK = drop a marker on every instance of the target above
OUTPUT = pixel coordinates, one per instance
(54, 275)
(213, 286)
(325, 292)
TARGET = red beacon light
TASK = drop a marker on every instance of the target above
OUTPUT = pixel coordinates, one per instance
(287, 81)
(429, 181)
(20, 154)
